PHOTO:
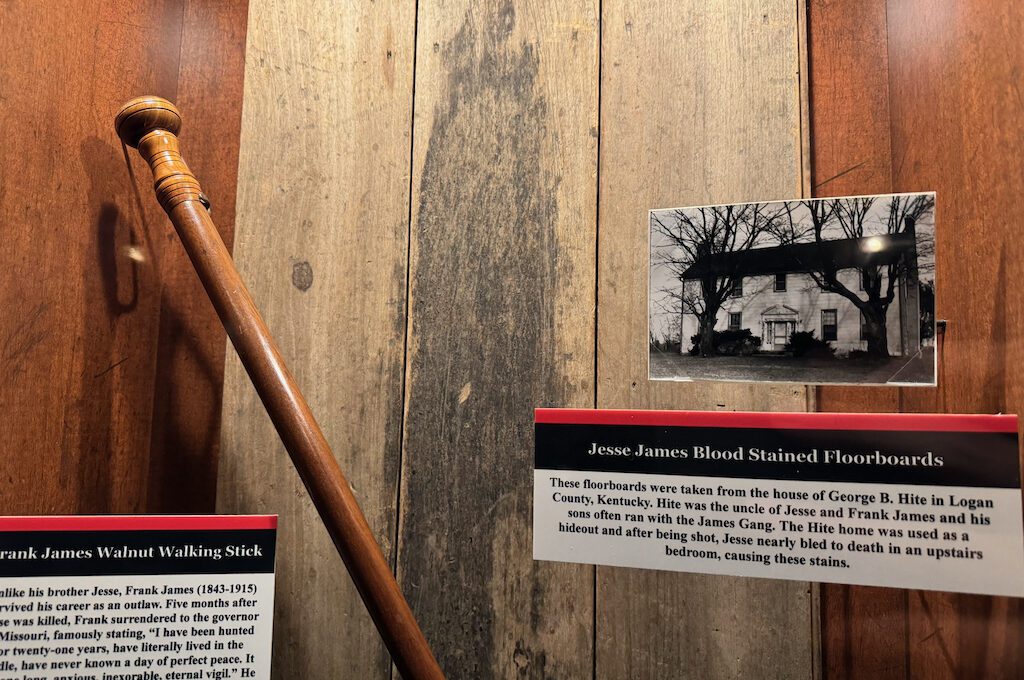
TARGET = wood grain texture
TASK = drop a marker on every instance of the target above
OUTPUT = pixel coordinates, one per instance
(81, 283)
(849, 85)
(502, 321)
(699, 105)
(151, 125)
(863, 629)
(951, 114)
(956, 128)
(79, 316)
(322, 241)
(185, 434)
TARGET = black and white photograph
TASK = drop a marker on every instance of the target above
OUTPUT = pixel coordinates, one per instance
(816, 291)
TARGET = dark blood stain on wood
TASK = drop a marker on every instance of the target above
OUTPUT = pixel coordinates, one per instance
(483, 290)
(302, 275)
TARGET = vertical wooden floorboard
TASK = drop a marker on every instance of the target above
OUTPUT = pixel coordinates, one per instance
(90, 267)
(863, 628)
(79, 268)
(185, 435)
(501, 321)
(952, 118)
(700, 104)
(322, 240)
(955, 89)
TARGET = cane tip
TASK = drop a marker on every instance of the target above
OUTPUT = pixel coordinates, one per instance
(143, 115)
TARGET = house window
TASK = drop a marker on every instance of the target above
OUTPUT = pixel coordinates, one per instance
(735, 320)
(780, 283)
(737, 287)
(863, 327)
(829, 327)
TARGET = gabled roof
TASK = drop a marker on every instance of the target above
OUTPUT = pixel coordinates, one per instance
(804, 257)
(780, 310)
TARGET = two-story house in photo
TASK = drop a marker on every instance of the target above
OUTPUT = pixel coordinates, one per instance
(773, 293)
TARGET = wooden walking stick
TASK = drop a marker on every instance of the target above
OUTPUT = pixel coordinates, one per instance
(151, 124)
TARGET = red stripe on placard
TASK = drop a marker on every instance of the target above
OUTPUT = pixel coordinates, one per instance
(138, 522)
(926, 422)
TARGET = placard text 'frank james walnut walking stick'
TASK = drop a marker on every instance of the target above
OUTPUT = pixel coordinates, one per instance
(151, 124)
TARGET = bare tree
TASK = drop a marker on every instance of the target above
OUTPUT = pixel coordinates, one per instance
(878, 276)
(693, 235)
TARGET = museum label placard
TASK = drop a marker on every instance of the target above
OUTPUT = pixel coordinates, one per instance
(901, 500)
(136, 597)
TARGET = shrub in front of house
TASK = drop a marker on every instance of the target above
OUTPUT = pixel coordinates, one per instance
(804, 345)
(729, 343)
(665, 346)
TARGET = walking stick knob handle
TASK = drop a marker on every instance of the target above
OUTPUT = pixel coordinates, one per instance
(144, 115)
(151, 124)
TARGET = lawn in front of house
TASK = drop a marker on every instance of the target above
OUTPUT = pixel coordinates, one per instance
(779, 368)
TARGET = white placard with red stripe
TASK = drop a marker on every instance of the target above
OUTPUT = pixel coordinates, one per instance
(912, 501)
(139, 597)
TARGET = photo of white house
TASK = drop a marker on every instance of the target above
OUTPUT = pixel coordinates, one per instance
(820, 291)
(774, 295)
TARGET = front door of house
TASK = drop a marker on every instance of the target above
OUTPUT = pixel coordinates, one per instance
(778, 333)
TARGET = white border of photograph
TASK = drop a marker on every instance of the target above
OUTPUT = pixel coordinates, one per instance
(782, 277)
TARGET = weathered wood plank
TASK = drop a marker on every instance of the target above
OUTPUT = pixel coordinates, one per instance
(322, 239)
(502, 320)
(700, 104)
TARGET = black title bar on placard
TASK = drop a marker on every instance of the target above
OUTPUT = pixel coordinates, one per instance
(944, 458)
(136, 552)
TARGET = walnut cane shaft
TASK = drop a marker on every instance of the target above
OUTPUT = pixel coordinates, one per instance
(151, 124)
